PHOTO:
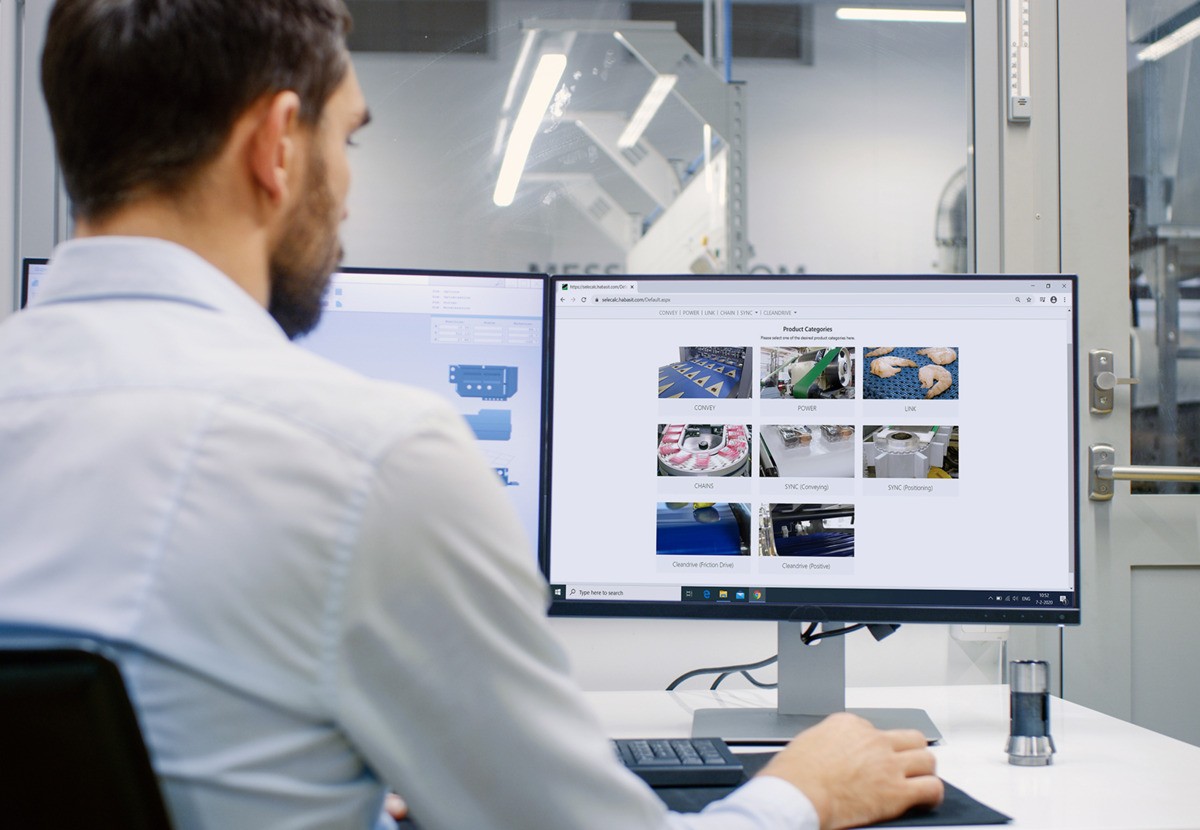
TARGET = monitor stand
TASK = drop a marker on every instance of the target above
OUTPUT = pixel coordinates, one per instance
(812, 684)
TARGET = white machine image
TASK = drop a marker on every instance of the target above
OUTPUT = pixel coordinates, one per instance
(910, 451)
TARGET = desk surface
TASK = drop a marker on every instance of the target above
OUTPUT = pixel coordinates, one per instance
(1107, 774)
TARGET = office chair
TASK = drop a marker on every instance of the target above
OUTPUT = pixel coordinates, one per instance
(71, 752)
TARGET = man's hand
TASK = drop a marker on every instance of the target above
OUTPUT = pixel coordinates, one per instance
(394, 806)
(855, 774)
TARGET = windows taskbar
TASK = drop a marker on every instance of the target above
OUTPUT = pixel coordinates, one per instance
(900, 598)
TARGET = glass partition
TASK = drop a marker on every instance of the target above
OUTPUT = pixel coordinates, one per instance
(660, 138)
(1164, 198)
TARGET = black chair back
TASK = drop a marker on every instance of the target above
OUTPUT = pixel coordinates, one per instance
(71, 751)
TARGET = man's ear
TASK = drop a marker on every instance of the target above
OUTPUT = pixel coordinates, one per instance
(273, 146)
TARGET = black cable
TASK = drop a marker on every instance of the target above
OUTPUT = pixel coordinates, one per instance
(760, 684)
(808, 636)
(753, 680)
(722, 670)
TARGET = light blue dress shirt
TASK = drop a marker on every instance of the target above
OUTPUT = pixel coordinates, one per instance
(316, 582)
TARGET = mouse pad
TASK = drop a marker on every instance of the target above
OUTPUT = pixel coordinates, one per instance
(958, 808)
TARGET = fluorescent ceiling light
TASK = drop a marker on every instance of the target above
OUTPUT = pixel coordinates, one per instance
(903, 15)
(1170, 42)
(645, 112)
(510, 95)
(537, 98)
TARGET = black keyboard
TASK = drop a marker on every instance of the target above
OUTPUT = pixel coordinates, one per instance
(681, 762)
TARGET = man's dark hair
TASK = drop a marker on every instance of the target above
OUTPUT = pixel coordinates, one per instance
(143, 93)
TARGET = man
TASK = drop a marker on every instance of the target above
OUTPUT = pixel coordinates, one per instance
(275, 544)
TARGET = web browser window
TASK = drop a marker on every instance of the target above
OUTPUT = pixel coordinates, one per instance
(873, 440)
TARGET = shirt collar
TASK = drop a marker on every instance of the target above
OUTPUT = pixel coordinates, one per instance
(126, 267)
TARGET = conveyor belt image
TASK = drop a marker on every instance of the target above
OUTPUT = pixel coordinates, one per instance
(806, 372)
(707, 372)
(895, 373)
(815, 451)
(825, 530)
(697, 529)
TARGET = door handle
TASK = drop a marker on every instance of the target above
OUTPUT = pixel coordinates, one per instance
(1103, 381)
(1103, 472)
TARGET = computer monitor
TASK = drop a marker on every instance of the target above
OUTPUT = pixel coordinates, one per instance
(32, 270)
(474, 338)
(797, 449)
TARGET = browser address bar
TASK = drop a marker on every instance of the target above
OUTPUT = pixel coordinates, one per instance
(797, 300)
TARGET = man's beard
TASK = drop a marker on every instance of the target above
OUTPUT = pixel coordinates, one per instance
(306, 256)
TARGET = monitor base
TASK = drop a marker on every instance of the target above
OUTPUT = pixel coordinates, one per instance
(770, 726)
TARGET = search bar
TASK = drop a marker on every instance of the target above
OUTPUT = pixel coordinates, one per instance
(626, 593)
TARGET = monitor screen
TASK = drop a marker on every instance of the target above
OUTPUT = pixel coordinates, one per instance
(474, 338)
(794, 449)
(32, 271)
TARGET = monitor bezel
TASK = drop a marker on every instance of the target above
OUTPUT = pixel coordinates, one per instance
(26, 263)
(848, 611)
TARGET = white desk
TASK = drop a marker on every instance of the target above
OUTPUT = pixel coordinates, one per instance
(1107, 774)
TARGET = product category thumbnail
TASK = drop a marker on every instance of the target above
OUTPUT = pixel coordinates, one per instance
(703, 529)
(911, 373)
(806, 372)
(703, 450)
(799, 450)
(910, 451)
(806, 530)
(707, 372)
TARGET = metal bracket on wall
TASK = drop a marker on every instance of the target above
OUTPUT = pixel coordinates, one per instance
(1102, 472)
(1103, 381)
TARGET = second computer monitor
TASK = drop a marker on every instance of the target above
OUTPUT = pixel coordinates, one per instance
(474, 338)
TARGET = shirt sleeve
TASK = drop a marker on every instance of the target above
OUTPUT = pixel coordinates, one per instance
(761, 803)
(447, 678)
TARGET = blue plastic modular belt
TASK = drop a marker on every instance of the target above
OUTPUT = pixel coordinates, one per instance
(681, 534)
(827, 543)
(906, 385)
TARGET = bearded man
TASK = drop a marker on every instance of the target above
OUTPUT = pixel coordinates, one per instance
(272, 544)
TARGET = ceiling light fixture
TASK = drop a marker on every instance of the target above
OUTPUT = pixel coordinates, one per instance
(646, 110)
(1170, 35)
(902, 15)
(537, 98)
